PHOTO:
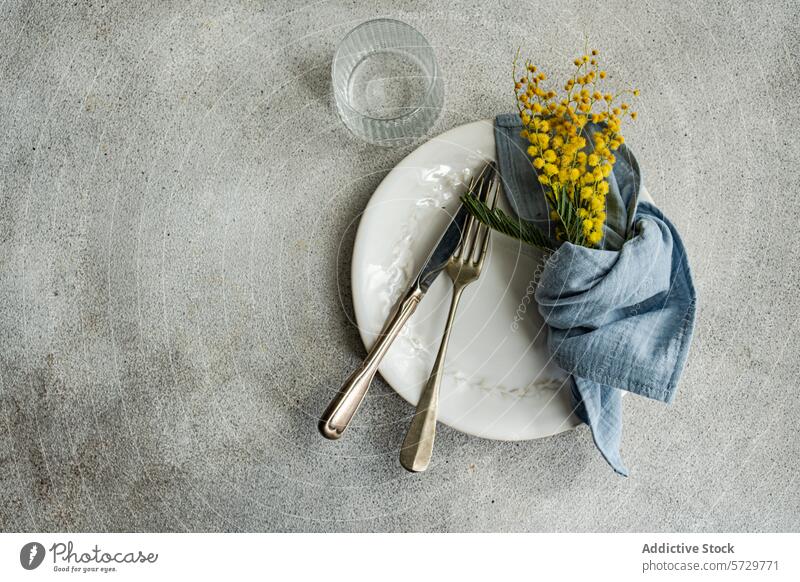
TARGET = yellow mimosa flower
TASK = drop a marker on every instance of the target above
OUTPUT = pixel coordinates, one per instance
(543, 139)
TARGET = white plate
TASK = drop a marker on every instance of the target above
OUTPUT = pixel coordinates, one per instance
(500, 381)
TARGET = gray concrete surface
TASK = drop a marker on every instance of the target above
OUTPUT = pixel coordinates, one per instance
(178, 208)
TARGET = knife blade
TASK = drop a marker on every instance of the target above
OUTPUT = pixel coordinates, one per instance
(441, 253)
(344, 405)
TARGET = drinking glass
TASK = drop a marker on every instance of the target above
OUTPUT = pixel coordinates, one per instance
(386, 83)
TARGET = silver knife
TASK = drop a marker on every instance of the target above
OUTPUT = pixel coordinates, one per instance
(345, 404)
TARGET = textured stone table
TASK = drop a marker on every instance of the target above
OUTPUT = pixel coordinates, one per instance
(179, 203)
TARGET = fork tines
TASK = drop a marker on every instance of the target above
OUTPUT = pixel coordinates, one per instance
(486, 186)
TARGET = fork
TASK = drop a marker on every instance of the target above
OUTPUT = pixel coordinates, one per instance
(464, 267)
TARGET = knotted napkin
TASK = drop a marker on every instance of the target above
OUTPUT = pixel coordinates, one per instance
(619, 317)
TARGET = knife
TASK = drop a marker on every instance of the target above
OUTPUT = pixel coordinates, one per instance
(345, 404)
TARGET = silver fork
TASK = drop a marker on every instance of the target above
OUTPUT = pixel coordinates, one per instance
(464, 267)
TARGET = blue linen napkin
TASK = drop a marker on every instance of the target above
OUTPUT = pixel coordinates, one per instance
(619, 317)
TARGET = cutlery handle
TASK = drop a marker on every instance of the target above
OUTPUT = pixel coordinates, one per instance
(345, 404)
(417, 450)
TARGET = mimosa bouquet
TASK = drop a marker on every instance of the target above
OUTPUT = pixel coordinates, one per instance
(572, 136)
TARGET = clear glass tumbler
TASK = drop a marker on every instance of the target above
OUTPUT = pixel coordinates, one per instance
(386, 83)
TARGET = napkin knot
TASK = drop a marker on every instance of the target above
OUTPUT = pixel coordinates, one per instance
(619, 317)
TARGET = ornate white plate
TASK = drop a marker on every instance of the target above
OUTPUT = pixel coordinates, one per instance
(500, 381)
